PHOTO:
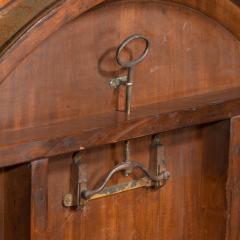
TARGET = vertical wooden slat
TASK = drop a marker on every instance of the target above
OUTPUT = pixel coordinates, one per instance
(39, 203)
(16, 203)
(1, 204)
(213, 181)
(233, 183)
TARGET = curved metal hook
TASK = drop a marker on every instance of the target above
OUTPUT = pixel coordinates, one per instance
(87, 194)
(125, 43)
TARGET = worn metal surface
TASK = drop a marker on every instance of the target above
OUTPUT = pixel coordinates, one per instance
(129, 65)
(80, 194)
(109, 191)
(88, 194)
(117, 82)
(83, 195)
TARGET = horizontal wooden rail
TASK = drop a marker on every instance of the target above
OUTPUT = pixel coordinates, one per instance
(32, 143)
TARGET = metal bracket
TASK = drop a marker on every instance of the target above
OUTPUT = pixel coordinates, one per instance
(128, 80)
(117, 82)
(81, 194)
(78, 183)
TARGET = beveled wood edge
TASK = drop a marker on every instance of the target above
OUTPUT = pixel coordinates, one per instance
(39, 199)
(28, 26)
(236, 2)
(233, 180)
(59, 14)
(26, 12)
(6, 4)
(117, 131)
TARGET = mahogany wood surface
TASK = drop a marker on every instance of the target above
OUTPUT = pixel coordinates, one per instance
(191, 206)
(2, 204)
(79, 134)
(16, 211)
(5, 3)
(185, 59)
(16, 16)
(55, 99)
(233, 183)
(186, 208)
(39, 199)
(224, 11)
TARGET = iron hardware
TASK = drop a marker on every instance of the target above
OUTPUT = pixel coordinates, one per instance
(129, 81)
(80, 193)
(117, 82)
(129, 65)
(152, 180)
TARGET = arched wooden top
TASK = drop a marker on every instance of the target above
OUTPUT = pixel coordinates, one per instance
(21, 34)
(46, 97)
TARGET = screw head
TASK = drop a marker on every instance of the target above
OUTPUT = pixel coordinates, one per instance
(68, 200)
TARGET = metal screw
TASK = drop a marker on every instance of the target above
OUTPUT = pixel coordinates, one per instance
(68, 200)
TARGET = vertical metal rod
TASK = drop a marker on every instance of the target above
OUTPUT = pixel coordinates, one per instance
(129, 65)
(129, 92)
(128, 111)
(127, 155)
(127, 151)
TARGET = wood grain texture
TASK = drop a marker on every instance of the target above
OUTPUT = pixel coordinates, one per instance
(16, 216)
(221, 10)
(183, 61)
(83, 133)
(55, 99)
(5, 3)
(23, 205)
(17, 15)
(2, 203)
(233, 191)
(191, 206)
(236, 2)
(39, 199)
(224, 11)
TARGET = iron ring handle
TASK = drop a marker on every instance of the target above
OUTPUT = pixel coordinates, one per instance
(137, 60)
(87, 194)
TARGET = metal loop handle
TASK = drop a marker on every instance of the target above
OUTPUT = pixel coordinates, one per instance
(87, 194)
(125, 43)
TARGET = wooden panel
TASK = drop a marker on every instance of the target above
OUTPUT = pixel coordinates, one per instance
(191, 206)
(233, 190)
(2, 203)
(39, 200)
(4, 3)
(17, 203)
(72, 135)
(76, 62)
(18, 15)
(236, 2)
(23, 203)
(223, 11)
